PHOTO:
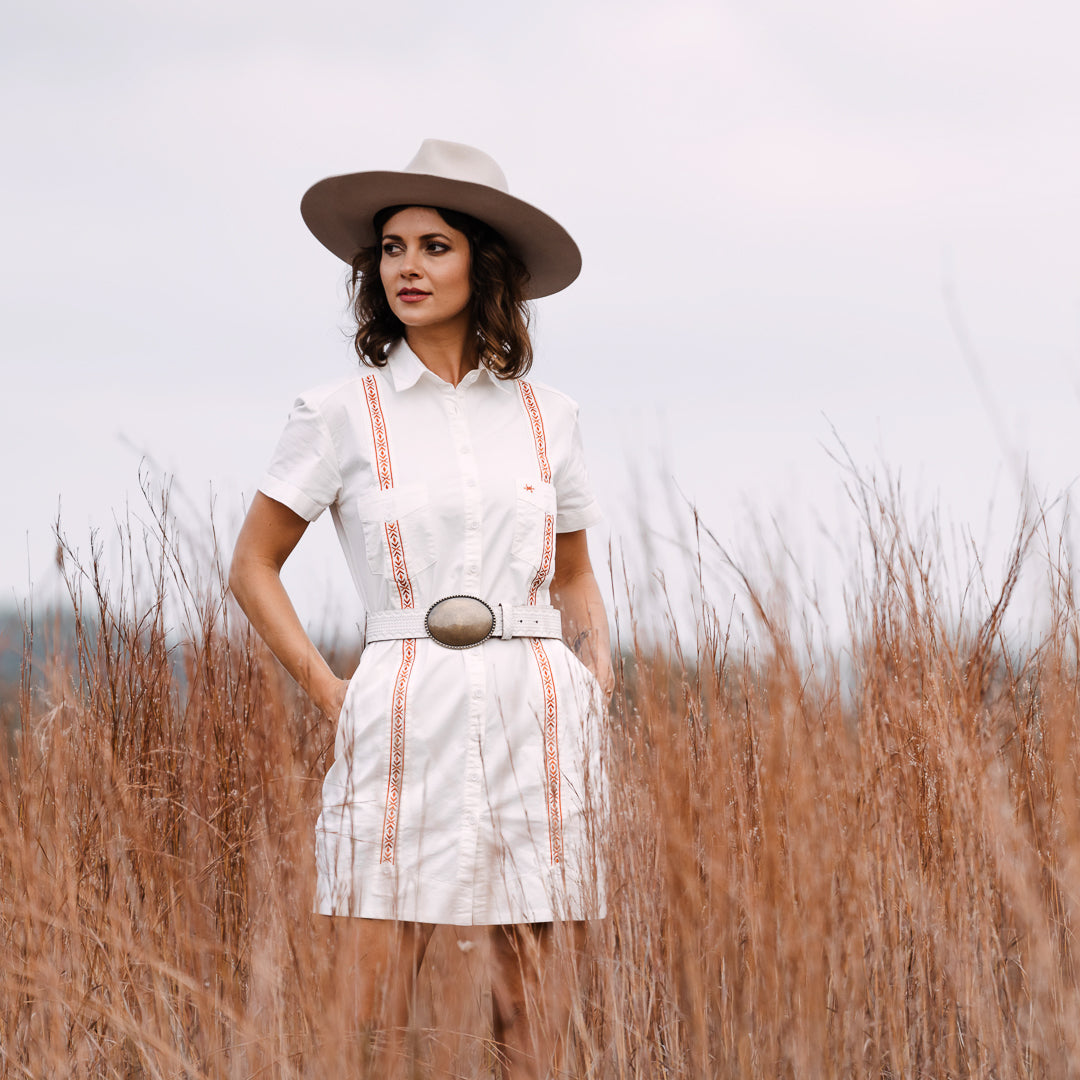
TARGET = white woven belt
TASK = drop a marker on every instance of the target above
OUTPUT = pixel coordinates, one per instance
(460, 622)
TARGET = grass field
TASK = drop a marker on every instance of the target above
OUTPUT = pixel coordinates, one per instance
(856, 860)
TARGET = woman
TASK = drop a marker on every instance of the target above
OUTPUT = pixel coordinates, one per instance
(467, 781)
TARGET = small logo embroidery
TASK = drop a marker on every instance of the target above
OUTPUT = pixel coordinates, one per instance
(529, 487)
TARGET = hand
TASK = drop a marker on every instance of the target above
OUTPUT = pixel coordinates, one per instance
(606, 678)
(331, 703)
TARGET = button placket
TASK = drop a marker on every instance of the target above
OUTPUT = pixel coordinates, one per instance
(473, 503)
(472, 796)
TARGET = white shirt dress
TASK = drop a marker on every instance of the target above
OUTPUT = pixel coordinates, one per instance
(467, 785)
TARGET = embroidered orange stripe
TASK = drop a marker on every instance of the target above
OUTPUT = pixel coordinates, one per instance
(397, 560)
(397, 752)
(552, 772)
(398, 706)
(545, 558)
(536, 421)
(378, 434)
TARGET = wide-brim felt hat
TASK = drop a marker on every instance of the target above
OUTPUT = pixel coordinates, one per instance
(340, 209)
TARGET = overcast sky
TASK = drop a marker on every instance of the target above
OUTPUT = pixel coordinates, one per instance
(785, 211)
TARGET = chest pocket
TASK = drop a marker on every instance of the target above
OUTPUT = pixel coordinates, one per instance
(534, 524)
(398, 532)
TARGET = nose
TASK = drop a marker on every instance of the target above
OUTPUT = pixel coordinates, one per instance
(409, 262)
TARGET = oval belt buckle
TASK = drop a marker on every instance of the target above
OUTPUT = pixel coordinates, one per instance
(459, 622)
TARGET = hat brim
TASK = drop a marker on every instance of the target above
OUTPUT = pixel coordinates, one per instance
(339, 212)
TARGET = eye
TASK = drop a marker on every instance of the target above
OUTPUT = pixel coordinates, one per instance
(437, 247)
(391, 247)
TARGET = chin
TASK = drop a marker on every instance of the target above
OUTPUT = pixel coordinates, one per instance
(414, 318)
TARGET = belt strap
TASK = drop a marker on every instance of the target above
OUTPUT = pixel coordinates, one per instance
(511, 620)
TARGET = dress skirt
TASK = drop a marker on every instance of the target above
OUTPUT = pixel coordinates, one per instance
(492, 812)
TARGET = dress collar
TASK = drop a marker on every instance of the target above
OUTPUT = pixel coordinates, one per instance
(404, 365)
(406, 369)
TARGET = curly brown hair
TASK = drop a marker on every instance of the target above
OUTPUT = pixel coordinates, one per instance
(499, 313)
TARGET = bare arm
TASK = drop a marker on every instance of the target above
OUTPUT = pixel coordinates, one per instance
(575, 593)
(269, 533)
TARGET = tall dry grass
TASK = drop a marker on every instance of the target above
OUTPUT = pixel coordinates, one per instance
(853, 860)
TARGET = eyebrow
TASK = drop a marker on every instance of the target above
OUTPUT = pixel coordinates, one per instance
(426, 236)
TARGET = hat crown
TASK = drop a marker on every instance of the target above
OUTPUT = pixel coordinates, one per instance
(456, 161)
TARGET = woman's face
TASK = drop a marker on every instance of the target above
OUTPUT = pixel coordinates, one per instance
(425, 268)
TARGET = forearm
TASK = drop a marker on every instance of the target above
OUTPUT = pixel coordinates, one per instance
(585, 625)
(257, 587)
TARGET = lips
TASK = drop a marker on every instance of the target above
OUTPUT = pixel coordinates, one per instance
(412, 295)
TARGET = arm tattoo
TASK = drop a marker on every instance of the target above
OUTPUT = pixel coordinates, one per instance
(579, 642)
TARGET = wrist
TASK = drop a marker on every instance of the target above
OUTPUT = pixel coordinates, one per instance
(326, 693)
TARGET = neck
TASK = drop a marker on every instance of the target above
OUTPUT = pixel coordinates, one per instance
(446, 351)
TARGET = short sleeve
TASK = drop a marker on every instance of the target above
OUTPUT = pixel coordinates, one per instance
(303, 472)
(577, 505)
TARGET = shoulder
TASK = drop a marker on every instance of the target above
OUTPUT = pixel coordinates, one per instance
(333, 411)
(338, 405)
(550, 399)
(325, 397)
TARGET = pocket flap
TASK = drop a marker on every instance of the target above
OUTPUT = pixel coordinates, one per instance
(394, 503)
(408, 506)
(537, 492)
